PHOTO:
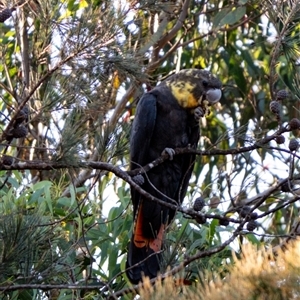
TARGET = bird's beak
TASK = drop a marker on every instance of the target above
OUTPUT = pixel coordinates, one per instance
(213, 95)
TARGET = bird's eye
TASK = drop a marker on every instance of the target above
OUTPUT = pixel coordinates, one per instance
(205, 83)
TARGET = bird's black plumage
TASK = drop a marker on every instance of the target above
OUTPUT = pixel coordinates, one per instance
(164, 118)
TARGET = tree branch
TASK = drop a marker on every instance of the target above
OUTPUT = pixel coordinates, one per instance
(46, 287)
(165, 39)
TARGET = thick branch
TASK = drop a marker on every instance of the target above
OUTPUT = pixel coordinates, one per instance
(234, 151)
(42, 165)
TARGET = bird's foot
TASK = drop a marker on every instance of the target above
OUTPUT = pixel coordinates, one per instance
(138, 179)
(199, 113)
(170, 152)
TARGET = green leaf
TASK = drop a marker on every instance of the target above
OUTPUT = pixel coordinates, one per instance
(212, 231)
(42, 185)
(196, 245)
(219, 16)
(10, 33)
(64, 201)
(253, 239)
(13, 182)
(233, 16)
(71, 4)
(33, 199)
(13, 71)
(18, 175)
(73, 195)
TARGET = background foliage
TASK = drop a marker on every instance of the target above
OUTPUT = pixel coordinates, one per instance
(70, 76)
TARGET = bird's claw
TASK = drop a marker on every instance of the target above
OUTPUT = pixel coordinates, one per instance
(138, 179)
(170, 152)
(199, 113)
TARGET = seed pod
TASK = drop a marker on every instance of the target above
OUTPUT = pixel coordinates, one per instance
(224, 222)
(245, 210)
(281, 95)
(294, 123)
(253, 215)
(293, 145)
(19, 132)
(22, 116)
(7, 160)
(280, 139)
(286, 187)
(251, 225)
(199, 204)
(275, 107)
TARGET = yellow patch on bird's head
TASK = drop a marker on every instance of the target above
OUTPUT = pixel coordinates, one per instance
(194, 88)
(183, 92)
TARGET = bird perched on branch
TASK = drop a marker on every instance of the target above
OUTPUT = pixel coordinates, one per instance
(166, 118)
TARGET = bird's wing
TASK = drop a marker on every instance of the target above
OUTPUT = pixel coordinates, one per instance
(141, 134)
(142, 130)
(138, 261)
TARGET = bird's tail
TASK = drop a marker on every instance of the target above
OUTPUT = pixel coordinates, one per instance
(144, 254)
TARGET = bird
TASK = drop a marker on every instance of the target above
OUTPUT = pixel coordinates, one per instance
(167, 117)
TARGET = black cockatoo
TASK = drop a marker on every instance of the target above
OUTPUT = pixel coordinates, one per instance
(167, 117)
